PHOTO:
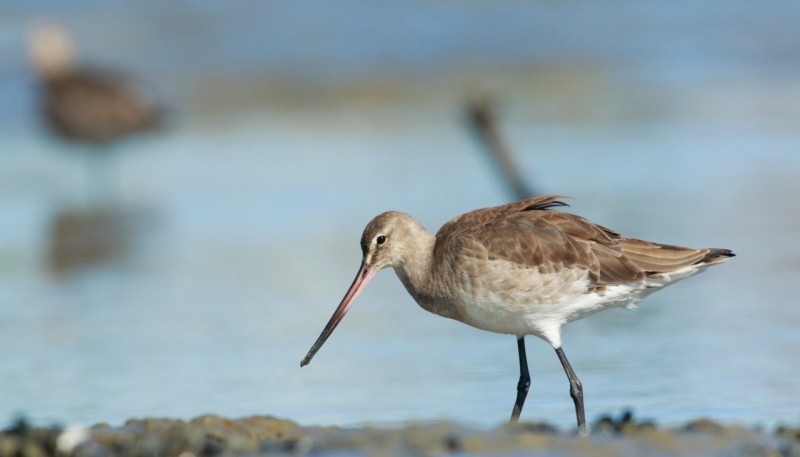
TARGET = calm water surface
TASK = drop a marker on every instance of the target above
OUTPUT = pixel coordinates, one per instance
(257, 240)
(254, 239)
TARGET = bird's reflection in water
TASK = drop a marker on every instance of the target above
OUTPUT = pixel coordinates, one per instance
(98, 236)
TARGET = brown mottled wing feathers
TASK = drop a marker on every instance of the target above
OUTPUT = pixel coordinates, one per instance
(97, 107)
(660, 258)
(528, 234)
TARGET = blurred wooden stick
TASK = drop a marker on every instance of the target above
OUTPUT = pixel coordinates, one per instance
(482, 120)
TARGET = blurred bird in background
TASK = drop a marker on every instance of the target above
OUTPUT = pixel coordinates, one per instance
(93, 106)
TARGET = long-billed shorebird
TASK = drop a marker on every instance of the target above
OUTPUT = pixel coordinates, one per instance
(519, 269)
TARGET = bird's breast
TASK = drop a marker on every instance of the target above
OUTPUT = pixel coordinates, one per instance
(504, 297)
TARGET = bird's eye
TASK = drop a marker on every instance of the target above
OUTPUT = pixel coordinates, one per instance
(380, 239)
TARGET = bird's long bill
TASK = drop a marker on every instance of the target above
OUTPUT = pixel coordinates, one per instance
(364, 275)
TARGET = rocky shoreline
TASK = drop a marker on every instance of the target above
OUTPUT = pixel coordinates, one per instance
(265, 435)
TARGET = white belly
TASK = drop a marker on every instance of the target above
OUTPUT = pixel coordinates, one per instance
(529, 303)
(543, 307)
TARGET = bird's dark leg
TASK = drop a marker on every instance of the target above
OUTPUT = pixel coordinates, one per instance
(101, 176)
(575, 391)
(524, 380)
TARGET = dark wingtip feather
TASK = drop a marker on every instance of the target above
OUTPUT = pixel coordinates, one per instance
(716, 255)
(547, 204)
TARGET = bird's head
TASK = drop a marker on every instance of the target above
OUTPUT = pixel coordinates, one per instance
(387, 241)
(50, 49)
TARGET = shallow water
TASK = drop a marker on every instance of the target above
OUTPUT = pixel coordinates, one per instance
(255, 239)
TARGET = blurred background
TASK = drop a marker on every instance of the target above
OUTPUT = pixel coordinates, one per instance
(187, 266)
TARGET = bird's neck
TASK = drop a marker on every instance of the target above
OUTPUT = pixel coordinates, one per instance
(415, 269)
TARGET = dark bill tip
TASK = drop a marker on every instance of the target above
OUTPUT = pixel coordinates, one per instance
(364, 275)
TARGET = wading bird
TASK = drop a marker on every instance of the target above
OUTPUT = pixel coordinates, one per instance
(95, 107)
(519, 269)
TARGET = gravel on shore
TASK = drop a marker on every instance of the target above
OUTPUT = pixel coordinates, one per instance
(265, 435)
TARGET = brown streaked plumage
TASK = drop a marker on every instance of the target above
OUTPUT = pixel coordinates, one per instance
(520, 269)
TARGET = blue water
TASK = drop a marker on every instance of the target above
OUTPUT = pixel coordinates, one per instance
(258, 213)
